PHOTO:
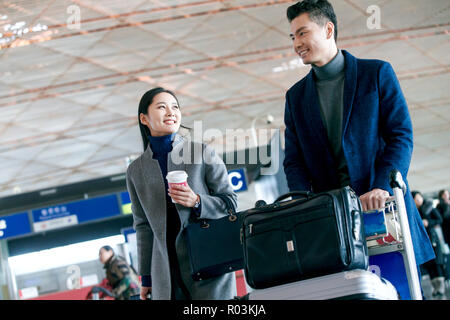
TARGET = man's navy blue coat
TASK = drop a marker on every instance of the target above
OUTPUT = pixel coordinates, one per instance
(377, 137)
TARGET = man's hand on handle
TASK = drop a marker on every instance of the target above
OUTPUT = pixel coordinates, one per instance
(375, 199)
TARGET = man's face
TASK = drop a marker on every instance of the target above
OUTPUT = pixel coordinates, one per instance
(104, 255)
(418, 200)
(311, 41)
(445, 196)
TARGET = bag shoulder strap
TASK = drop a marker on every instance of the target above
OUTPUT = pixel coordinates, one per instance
(228, 203)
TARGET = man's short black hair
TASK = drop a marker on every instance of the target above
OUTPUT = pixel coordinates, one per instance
(319, 11)
(107, 248)
(414, 193)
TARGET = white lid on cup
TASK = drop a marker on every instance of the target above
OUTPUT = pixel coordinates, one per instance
(177, 176)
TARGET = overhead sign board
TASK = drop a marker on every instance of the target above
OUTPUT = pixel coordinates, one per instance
(125, 202)
(14, 225)
(63, 215)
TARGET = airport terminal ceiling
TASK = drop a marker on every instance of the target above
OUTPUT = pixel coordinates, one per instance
(72, 74)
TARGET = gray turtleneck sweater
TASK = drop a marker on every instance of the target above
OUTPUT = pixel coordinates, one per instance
(329, 81)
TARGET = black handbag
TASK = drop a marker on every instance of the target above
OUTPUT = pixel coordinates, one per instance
(214, 245)
(306, 237)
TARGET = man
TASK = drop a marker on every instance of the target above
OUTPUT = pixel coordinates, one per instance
(444, 209)
(431, 219)
(347, 122)
(121, 276)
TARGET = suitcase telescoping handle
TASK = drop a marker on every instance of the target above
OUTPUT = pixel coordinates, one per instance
(399, 187)
(304, 194)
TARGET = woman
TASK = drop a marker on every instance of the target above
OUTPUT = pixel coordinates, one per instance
(160, 223)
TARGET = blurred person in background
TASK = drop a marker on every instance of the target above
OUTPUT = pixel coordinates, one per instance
(444, 209)
(121, 277)
(431, 218)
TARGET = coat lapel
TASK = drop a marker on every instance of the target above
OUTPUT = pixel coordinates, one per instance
(312, 112)
(349, 88)
(150, 166)
(177, 153)
(152, 174)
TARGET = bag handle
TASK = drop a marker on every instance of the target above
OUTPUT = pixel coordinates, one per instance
(230, 208)
(304, 194)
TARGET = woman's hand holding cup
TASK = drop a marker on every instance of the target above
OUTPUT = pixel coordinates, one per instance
(179, 190)
(183, 194)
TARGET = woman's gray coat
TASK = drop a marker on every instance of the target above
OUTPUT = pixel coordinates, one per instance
(207, 175)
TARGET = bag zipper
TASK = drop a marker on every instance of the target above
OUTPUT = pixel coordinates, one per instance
(250, 226)
(349, 250)
(242, 232)
(277, 206)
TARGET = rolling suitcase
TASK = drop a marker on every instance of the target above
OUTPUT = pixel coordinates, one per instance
(348, 285)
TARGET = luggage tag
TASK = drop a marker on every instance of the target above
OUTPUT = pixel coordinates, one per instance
(392, 223)
(375, 224)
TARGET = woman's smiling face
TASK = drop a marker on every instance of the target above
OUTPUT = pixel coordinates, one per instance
(163, 116)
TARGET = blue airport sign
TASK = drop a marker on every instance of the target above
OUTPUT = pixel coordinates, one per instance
(73, 213)
(237, 179)
(14, 225)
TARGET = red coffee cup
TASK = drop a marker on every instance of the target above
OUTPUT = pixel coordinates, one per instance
(178, 177)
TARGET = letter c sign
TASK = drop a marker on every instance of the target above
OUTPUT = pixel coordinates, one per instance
(237, 180)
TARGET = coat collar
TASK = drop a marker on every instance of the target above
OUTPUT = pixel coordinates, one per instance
(177, 140)
(351, 79)
(177, 150)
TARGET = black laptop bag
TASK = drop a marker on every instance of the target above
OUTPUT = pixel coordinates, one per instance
(309, 236)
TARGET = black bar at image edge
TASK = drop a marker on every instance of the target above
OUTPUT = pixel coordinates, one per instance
(232, 309)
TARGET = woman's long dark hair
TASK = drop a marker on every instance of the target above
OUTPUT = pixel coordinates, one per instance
(145, 102)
